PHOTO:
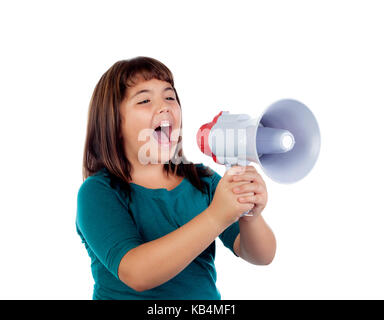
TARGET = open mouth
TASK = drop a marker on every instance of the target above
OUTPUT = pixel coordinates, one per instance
(162, 133)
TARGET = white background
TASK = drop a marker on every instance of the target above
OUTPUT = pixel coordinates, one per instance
(225, 55)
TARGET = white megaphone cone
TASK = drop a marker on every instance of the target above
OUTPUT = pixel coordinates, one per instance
(284, 141)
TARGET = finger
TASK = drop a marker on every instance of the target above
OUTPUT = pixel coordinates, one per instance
(245, 177)
(246, 194)
(250, 169)
(248, 187)
(246, 207)
(241, 170)
(256, 199)
(235, 170)
(249, 177)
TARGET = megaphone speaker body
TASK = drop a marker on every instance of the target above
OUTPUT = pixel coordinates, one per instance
(284, 140)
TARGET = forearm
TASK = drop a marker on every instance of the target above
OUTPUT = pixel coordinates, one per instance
(153, 263)
(257, 241)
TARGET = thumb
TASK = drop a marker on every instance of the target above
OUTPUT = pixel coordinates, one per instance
(235, 170)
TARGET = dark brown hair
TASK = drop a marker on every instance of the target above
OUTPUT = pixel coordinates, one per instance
(103, 143)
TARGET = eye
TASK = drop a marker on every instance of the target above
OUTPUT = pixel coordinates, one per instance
(142, 102)
(170, 98)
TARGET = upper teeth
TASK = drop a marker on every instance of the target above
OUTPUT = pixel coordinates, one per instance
(164, 124)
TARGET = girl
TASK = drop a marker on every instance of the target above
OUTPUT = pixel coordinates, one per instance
(149, 220)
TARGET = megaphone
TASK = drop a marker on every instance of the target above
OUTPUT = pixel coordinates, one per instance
(284, 140)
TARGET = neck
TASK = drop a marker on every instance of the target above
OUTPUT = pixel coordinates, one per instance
(147, 172)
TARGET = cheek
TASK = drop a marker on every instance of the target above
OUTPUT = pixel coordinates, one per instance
(177, 113)
(130, 133)
(131, 128)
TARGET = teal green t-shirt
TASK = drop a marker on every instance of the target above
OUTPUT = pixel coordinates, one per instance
(109, 230)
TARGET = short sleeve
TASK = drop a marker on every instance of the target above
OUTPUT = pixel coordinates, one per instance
(104, 223)
(228, 236)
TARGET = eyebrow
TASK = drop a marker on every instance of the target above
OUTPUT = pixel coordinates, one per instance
(146, 90)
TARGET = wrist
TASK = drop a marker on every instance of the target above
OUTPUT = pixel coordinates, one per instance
(252, 214)
(216, 218)
(251, 221)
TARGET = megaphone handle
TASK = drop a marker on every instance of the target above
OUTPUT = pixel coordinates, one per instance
(246, 213)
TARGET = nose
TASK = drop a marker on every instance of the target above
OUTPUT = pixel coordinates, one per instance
(164, 109)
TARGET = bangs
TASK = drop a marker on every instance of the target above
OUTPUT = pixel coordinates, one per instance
(147, 69)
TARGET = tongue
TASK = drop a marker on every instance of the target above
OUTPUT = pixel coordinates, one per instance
(161, 136)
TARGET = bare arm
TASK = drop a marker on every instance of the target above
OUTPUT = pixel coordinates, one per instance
(155, 262)
(256, 242)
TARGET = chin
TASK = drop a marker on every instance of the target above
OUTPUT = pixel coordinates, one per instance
(157, 154)
(165, 155)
